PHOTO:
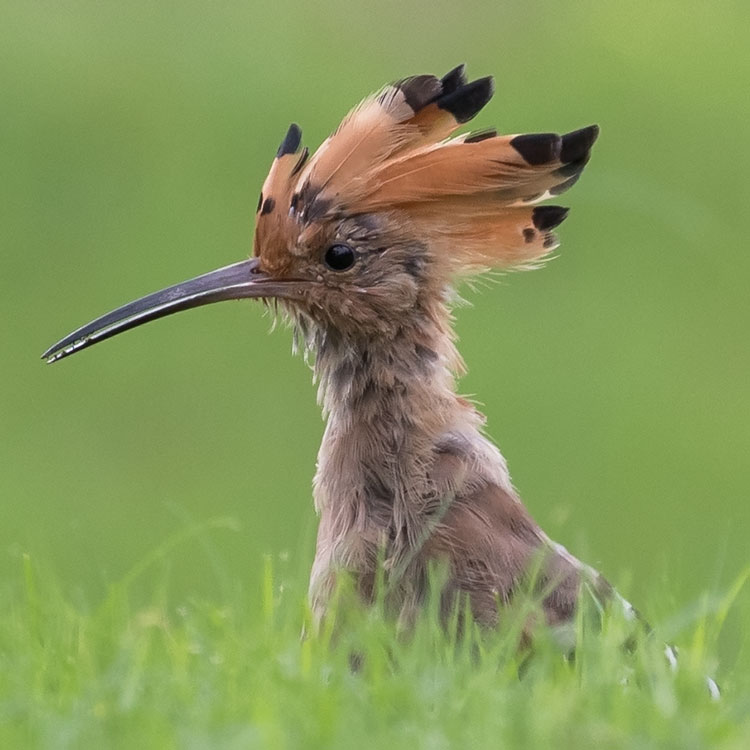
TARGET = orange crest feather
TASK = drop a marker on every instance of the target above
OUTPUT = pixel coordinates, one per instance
(471, 197)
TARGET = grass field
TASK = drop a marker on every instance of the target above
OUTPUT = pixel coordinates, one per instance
(134, 138)
(233, 672)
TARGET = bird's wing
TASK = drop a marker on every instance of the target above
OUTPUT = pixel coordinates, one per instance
(495, 549)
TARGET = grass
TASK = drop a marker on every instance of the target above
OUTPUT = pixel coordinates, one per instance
(139, 670)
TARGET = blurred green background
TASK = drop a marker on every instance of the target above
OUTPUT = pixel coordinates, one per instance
(134, 139)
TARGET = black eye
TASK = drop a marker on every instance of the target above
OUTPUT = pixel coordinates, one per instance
(339, 257)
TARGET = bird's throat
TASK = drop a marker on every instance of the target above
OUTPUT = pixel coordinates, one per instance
(389, 403)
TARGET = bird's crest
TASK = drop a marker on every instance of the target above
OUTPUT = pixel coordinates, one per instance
(470, 198)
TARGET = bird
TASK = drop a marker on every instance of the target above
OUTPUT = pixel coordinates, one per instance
(362, 245)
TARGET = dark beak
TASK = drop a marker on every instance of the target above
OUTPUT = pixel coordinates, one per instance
(238, 281)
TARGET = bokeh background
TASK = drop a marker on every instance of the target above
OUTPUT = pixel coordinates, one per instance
(134, 138)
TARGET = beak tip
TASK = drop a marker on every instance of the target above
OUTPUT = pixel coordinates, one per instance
(50, 355)
(57, 352)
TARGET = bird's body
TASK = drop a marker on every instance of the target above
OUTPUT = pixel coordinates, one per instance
(362, 245)
(406, 478)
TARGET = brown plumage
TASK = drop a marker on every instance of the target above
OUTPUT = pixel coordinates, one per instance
(404, 470)
(361, 244)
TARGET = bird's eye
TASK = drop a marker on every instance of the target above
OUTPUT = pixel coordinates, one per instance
(339, 257)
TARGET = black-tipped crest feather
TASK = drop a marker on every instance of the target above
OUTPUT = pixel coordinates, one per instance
(548, 217)
(454, 79)
(577, 144)
(291, 141)
(465, 101)
(538, 148)
(419, 91)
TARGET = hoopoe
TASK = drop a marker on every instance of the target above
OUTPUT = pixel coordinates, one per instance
(361, 245)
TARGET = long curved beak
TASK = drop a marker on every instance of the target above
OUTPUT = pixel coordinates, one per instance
(238, 281)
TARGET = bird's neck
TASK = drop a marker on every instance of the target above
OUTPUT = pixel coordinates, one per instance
(405, 380)
(389, 402)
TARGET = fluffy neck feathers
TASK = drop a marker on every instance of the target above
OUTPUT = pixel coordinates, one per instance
(389, 402)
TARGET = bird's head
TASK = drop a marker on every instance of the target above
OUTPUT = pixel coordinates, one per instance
(370, 230)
